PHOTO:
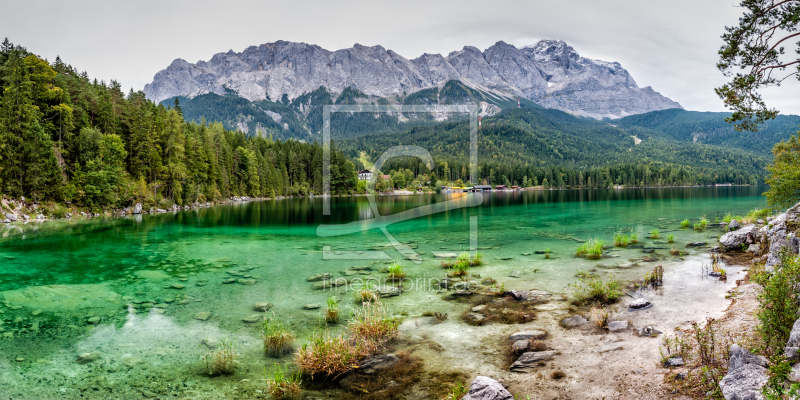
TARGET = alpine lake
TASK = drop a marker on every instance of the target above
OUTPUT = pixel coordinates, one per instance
(124, 307)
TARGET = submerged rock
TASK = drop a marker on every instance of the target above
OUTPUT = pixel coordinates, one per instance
(639, 304)
(203, 315)
(93, 320)
(520, 346)
(617, 326)
(534, 334)
(374, 364)
(320, 277)
(311, 306)
(483, 388)
(86, 358)
(253, 318)
(262, 306)
(573, 321)
(387, 291)
(610, 347)
(529, 361)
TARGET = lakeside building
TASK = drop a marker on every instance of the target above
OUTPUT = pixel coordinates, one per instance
(364, 175)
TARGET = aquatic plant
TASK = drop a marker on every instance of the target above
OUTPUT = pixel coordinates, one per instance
(282, 385)
(463, 257)
(634, 238)
(332, 311)
(478, 259)
(599, 316)
(595, 249)
(371, 325)
(330, 355)
(365, 295)
(277, 338)
(685, 223)
(674, 251)
(655, 234)
(593, 288)
(703, 222)
(447, 263)
(670, 238)
(621, 240)
(582, 250)
(655, 278)
(727, 218)
(222, 360)
(585, 275)
(547, 253)
(461, 268)
(755, 214)
(457, 392)
(396, 270)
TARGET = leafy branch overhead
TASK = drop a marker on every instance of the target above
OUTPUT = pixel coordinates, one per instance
(758, 54)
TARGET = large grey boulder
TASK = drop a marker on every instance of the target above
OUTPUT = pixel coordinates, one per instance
(780, 234)
(734, 240)
(746, 376)
(483, 388)
(137, 209)
(11, 217)
(793, 345)
(733, 226)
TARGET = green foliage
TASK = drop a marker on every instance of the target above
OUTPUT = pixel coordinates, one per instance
(591, 249)
(775, 389)
(223, 360)
(685, 223)
(396, 270)
(784, 181)
(655, 234)
(621, 239)
(778, 303)
(670, 238)
(591, 288)
(65, 137)
(755, 51)
(282, 385)
(332, 311)
(277, 338)
(457, 392)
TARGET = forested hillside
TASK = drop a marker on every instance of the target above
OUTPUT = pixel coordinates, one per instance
(530, 145)
(65, 137)
(710, 128)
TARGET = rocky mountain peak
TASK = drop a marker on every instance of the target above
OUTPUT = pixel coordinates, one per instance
(550, 73)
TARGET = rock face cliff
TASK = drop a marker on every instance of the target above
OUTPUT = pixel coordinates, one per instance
(550, 73)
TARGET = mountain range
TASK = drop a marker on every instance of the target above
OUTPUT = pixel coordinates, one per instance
(550, 73)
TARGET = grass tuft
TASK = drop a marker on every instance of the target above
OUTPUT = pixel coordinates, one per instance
(282, 386)
(221, 361)
(396, 270)
(593, 288)
(332, 311)
(655, 234)
(277, 338)
(685, 223)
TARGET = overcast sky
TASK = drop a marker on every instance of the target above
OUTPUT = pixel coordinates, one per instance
(669, 45)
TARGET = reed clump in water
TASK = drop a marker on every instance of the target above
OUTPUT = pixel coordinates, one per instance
(592, 288)
(655, 234)
(397, 271)
(330, 356)
(332, 311)
(621, 239)
(592, 249)
(222, 360)
(282, 385)
(277, 338)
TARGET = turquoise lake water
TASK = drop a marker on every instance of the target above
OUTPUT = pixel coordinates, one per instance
(144, 279)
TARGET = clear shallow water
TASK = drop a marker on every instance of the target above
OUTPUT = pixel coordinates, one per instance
(104, 268)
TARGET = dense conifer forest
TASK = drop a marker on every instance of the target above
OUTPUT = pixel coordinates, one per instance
(67, 138)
